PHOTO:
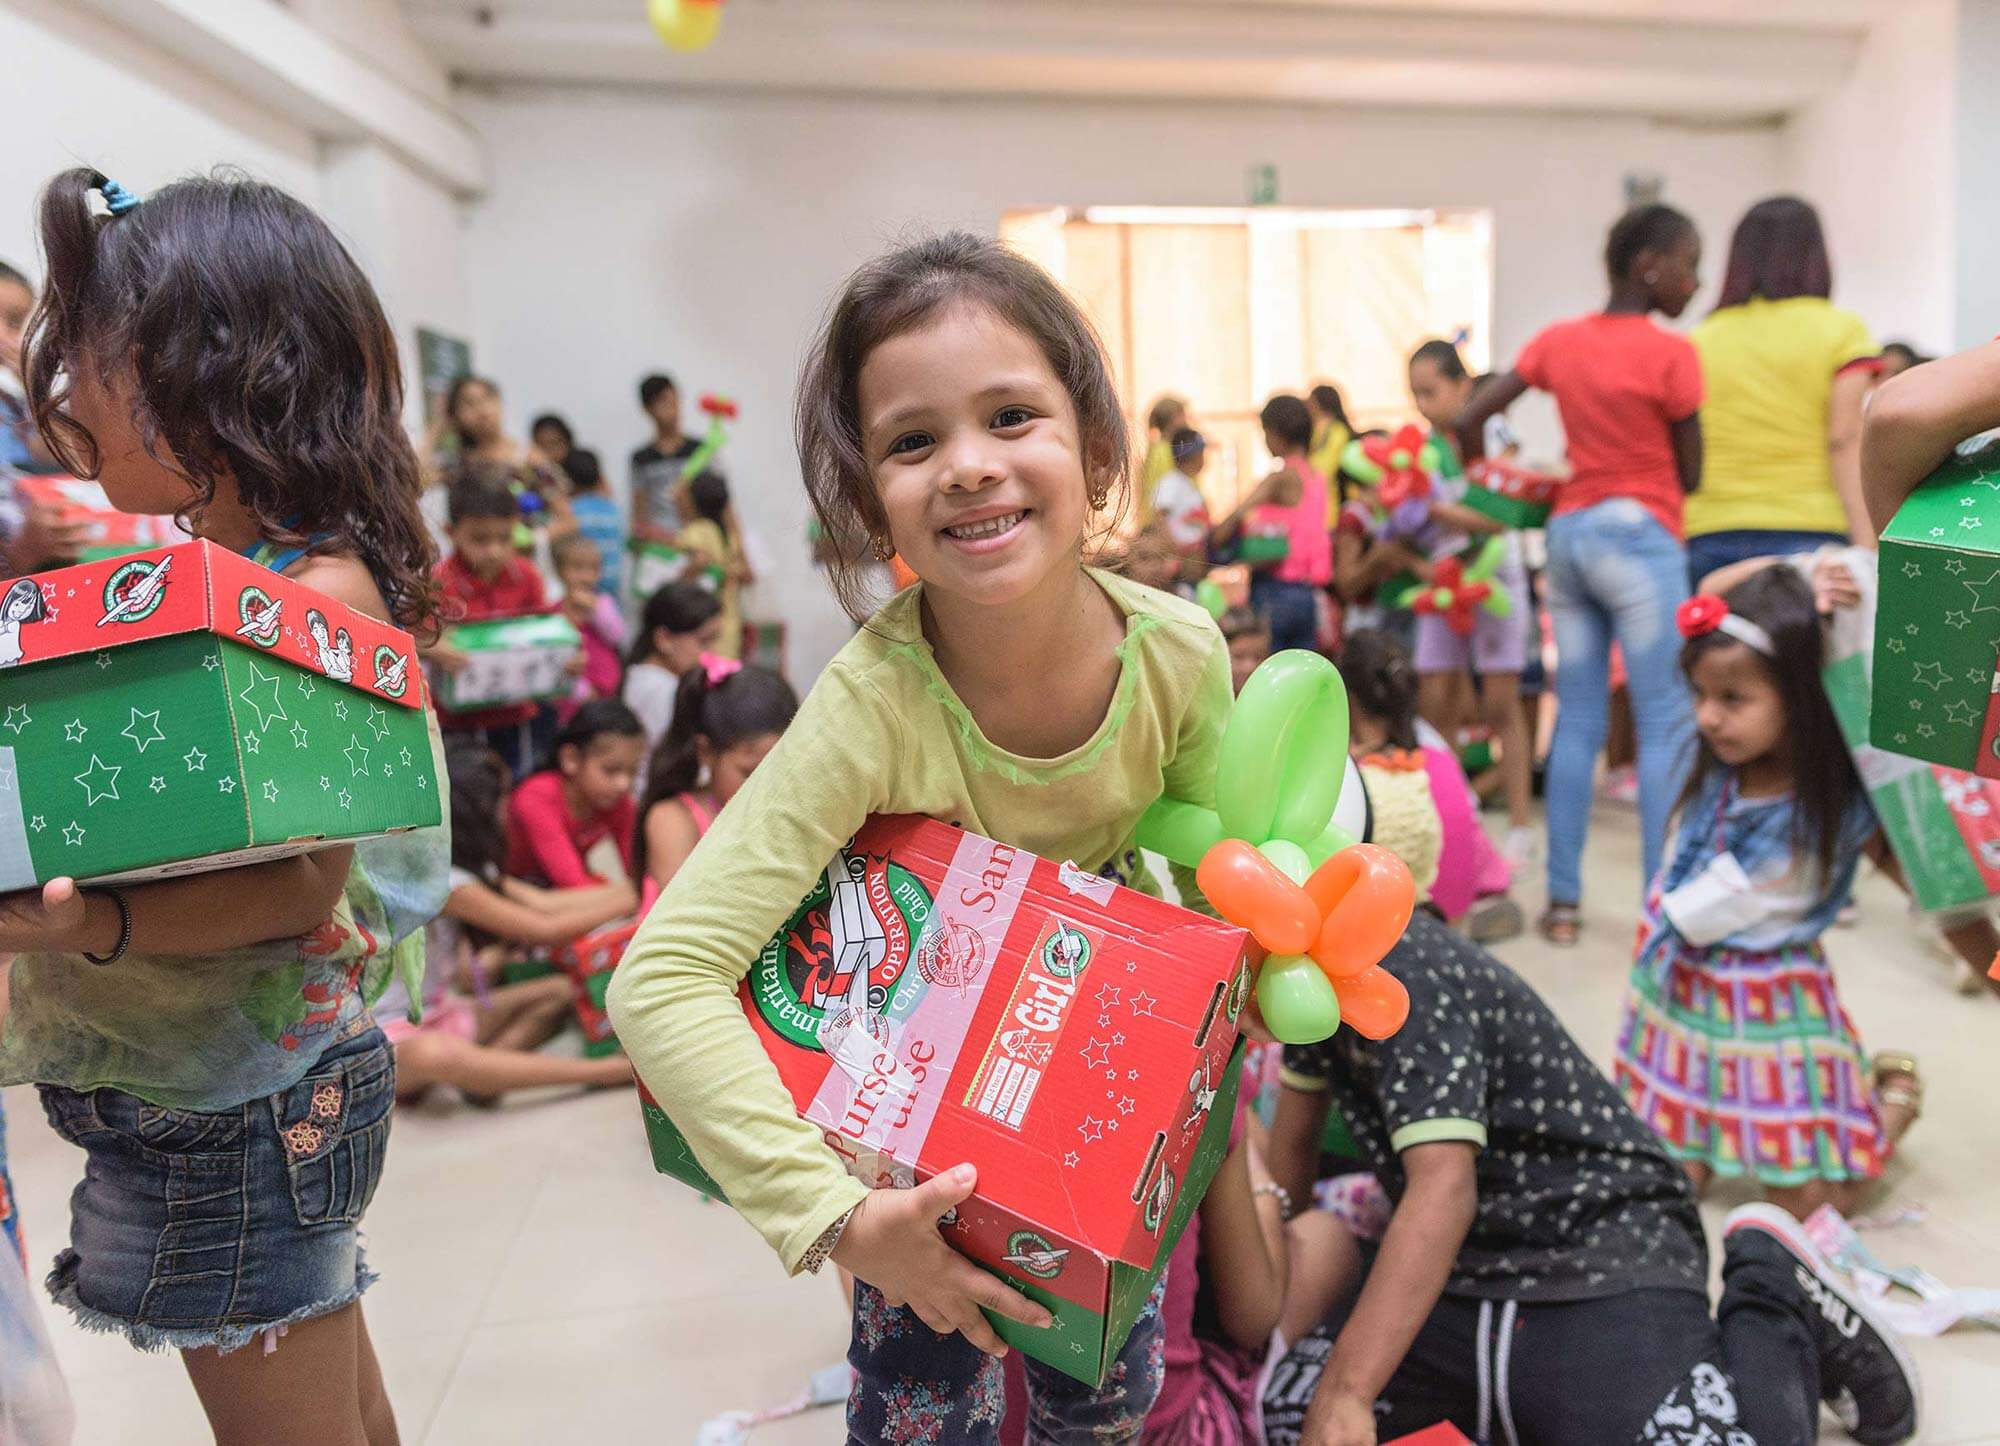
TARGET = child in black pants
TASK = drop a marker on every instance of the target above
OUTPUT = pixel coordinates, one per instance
(1543, 1281)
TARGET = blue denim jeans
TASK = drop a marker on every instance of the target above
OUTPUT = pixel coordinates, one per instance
(912, 1385)
(1614, 572)
(1291, 608)
(1713, 550)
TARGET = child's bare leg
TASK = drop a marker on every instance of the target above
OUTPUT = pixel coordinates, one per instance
(378, 1417)
(1976, 941)
(504, 1007)
(1326, 1270)
(1698, 1176)
(1802, 1200)
(1438, 702)
(307, 1391)
(486, 1070)
(1500, 700)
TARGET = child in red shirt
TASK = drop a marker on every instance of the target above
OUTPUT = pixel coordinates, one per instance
(1630, 397)
(484, 577)
(572, 824)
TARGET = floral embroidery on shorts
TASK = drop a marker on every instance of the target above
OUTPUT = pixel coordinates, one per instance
(914, 1413)
(303, 1139)
(876, 1321)
(989, 1393)
(326, 1101)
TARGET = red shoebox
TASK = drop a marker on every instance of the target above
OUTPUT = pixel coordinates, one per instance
(107, 531)
(941, 998)
(589, 963)
(1442, 1434)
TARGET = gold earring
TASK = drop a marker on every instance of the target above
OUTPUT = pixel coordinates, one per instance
(882, 549)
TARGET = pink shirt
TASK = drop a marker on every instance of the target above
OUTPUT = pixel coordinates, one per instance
(1310, 556)
(546, 842)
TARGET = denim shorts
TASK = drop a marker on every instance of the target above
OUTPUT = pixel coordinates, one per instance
(195, 1228)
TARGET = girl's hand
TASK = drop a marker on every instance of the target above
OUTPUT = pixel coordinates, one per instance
(452, 659)
(49, 922)
(1834, 586)
(1339, 1419)
(892, 1242)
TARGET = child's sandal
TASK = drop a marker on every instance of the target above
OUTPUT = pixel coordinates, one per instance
(1898, 1081)
(1561, 925)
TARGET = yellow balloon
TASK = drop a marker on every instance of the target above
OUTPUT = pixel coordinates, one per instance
(686, 25)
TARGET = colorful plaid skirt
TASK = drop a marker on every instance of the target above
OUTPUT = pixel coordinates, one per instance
(1746, 1062)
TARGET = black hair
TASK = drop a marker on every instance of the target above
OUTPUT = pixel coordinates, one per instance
(1327, 398)
(1824, 785)
(679, 607)
(28, 588)
(254, 348)
(748, 703)
(1244, 623)
(1442, 355)
(460, 385)
(15, 275)
(1187, 442)
(552, 419)
(599, 718)
(1382, 682)
(1656, 227)
(652, 386)
(478, 804)
(1777, 252)
(898, 293)
(709, 493)
(1287, 416)
(1910, 355)
(1164, 411)
(480, 492)
(585, 472)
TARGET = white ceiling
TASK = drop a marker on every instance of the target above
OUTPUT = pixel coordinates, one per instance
(1713, 60)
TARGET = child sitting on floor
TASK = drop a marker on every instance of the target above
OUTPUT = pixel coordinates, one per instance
(726, 718)
(596, 617)
(571, 824)
(486, 1044)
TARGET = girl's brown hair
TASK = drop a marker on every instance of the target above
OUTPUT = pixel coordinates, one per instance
(897, 293)
(254, 347)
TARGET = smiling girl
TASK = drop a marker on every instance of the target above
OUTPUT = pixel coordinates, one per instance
(957, 410)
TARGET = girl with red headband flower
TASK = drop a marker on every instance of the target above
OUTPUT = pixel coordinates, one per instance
(1735, 1046)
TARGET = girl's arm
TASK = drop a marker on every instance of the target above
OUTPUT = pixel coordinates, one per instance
(1463, 519)
(1686, 435)
(200, 914)
(568, 916)
(1243, 1246)
(1492, 397)
(1281, 488)
(671, 835)
(1843, 449)
(1409, 1274)
(589, 896)
(1914, 420)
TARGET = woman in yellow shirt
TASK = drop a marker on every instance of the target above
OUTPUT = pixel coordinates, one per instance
(715, 555)
(1331, 432)
(1786, 371)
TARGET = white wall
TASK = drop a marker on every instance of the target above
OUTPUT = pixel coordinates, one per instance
(81, 91)
(1976, 302)
(1878, 159)
(706, 234)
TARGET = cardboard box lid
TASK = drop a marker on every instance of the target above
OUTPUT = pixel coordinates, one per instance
(1957, 507)
(1117, 1073)
(519, 630)
(198, 587)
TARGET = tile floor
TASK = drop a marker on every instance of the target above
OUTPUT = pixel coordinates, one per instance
(540, 1283)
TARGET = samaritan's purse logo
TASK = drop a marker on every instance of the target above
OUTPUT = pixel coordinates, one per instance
(1158, 1200)
(844, 951)
(134, 591)
(1066, 952)
(1034, 1254)
(261, 616)
(392, 671)
(1239, 991)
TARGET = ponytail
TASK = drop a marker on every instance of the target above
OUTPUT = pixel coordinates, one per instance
(720, 703)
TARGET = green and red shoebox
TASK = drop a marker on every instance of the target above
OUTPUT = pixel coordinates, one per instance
(1509, 494)
(1942, 824)
(655, 564)
(588, 964)
(941, 998)
(1937, 623)
(525, 659)
(107, 531)
(183, 709)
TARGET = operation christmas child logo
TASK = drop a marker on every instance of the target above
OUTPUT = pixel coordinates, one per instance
(840, 958)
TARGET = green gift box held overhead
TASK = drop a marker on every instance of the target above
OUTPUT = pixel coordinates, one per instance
(1937, 626)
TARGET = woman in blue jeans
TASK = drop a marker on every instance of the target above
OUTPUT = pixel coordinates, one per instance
(1630, 395)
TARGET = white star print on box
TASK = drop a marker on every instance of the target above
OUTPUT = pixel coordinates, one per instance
(227, 783)
(73, 835)
(1096, 1054)
(1957, 619)
(1142, 1005)
(378, 721)
(360, 765)
(142, 740)
(1952, 709)
(306, 685)
(210, 663)
(75, 731)
(346, 799)
(158, 785)
(1107, 996)
(299, 735)
(261, 693)
(100, 781)
(270, 791)
(103, 661)
(1091, 1128)
(196, 760)
(253, 743)
(17, 718)
(1931, 675)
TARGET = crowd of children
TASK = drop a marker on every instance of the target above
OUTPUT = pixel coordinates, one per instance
(1498, 1226)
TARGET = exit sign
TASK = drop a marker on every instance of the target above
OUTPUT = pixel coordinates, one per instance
(1261, 181)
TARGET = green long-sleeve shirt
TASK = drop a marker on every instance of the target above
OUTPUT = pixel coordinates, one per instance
(882, 733)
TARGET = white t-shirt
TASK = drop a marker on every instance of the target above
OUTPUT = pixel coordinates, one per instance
(1178, 503)
(649, 692)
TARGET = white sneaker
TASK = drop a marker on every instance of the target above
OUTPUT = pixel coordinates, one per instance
(1523, 845)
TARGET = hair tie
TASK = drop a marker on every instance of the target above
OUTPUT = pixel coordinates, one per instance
(1705, 613)
(117, 200)
(717, 668)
